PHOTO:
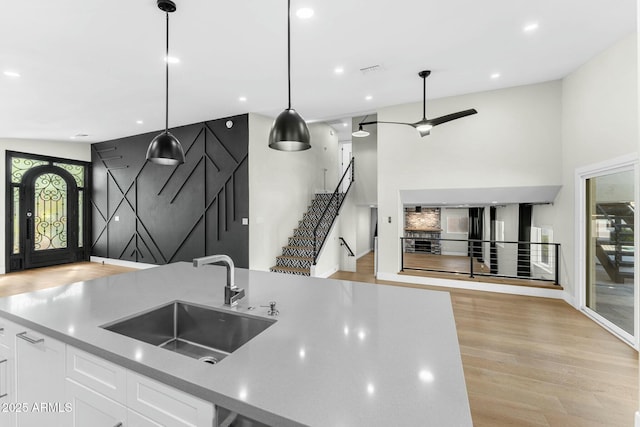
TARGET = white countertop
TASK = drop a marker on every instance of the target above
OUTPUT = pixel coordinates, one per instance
(340, 354)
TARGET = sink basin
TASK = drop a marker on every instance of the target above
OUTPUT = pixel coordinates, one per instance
(200, 332)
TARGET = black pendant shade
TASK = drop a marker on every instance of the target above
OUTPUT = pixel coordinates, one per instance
(165, 149)
(289, 131)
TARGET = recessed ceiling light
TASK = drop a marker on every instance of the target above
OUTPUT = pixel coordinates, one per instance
(368, 97)
(11, 74)
(242, 99)
(139, 122)
(304, 13)
(530, 27)
(79, 135)
(345, 124)
(338, 70)
(172, 59)
(495, 76)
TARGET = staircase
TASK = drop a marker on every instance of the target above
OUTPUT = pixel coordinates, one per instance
(616, 253)
(308, 238)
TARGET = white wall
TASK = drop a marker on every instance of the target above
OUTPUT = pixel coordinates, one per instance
(449, 247)
(365, 152)
(599, 122)
(507, 253)
(364, 242)
(514, 140)
(282, 186)
(65, 150)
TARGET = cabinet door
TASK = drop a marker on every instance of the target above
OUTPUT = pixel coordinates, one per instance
(137, 420)
(93, 409)
(7, 389)
(40, 380)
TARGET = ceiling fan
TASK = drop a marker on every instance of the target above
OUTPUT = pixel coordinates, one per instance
(424, 125)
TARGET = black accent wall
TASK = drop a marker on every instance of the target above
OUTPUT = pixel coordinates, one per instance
(525, 215)
(158, 214)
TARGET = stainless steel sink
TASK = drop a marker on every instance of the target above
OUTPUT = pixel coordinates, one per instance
(200, 332)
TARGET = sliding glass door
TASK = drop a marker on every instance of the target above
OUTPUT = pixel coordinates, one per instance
(610, 254)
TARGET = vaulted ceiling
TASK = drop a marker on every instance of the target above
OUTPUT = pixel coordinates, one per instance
(96, 67)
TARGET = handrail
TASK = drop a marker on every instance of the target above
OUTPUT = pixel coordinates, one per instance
(334, 196)
(477, 253)
(344, 243)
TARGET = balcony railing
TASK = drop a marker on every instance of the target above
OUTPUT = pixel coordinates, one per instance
(489, 258)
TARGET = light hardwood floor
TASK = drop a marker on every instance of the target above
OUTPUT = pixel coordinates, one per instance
(535, 361)
(527, 361)
(48, 277)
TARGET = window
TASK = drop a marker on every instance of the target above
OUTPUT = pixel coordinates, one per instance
(541, 239)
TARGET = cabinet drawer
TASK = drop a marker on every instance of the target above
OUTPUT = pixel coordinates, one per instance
(96, 373)
(166, 405)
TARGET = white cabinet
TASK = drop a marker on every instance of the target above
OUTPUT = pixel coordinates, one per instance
(7, 373)
(59, 385)
(111, 394)
(39, 368)
(166, 405)
(92, 409)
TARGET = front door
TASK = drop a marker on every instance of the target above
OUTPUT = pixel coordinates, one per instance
(49, 217)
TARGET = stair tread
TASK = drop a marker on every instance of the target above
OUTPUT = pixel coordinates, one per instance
(301, 258)
(298, 247)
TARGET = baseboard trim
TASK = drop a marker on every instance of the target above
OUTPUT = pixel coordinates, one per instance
(326, 274)
(476, 286)
(637, 423)
(361, 254)
(122, 263)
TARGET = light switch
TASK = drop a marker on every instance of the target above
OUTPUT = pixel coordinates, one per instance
(245, 221)
(116, 218)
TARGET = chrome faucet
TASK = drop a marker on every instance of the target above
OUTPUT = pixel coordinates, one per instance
(232, 294)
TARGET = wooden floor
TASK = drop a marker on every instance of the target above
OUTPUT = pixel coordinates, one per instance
(527, 361)
(535, 361)
(48, 277)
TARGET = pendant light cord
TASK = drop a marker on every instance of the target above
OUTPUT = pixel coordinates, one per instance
(166, 87)
(289, 49)
(424, 98)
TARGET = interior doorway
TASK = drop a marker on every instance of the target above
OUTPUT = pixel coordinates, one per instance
(47, 222)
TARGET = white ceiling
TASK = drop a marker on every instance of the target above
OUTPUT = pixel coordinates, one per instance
(96, 66)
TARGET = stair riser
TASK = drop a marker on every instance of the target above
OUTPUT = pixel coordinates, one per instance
(300, 241)
(294, 263)
(306, 253)
(276, 270)
(308, 233)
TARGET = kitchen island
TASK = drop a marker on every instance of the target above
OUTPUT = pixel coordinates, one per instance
(339, 354)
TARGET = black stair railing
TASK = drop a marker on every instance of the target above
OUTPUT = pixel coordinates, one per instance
(346, 246)
(331, 211)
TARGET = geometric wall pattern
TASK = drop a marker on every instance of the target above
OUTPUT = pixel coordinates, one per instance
(158, 214)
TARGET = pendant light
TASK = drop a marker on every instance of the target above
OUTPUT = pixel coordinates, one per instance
(361, 133)
(289, 131)
(165, 149)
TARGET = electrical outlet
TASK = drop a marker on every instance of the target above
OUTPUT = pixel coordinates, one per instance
(116, 218)
(245, 221)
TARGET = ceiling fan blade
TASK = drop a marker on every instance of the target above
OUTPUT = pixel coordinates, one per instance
(453, 116)
(398, 123)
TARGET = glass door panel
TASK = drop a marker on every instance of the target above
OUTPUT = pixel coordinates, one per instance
(50, 212)
(610, 248)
